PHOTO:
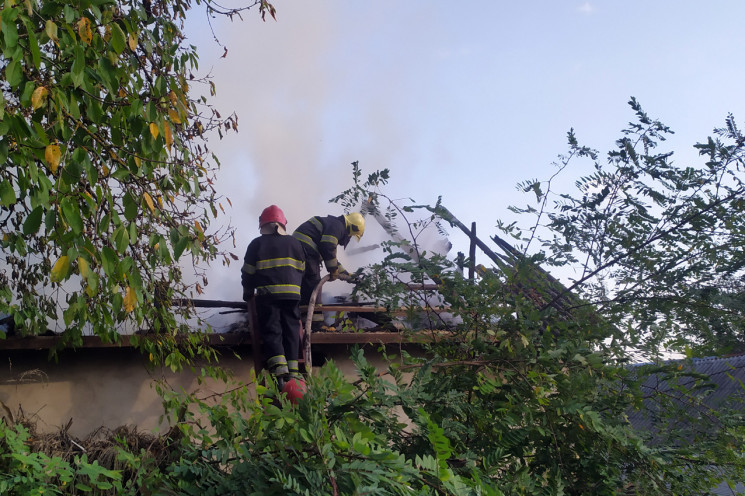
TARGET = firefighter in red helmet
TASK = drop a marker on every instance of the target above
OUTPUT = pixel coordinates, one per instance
(273, 269)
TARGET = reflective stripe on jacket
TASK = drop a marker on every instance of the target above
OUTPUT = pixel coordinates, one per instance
(322, 235)
(273, 267)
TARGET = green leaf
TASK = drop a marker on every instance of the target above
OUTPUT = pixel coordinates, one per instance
(73, 107)
(130, 207)
(108, 260)
(9, 28)
(179, 247)
(72, 171)
(28, 90)
(163, 253)
(33, 45)
(71, 13)
(7, 194)
(50, 219)
(33, 221)
(107, 72)
(103, 226)
(121, 239)
(118, 39)
(71, 213)
(92, 280)
(78, 66)
(94, 111)
(13, 74)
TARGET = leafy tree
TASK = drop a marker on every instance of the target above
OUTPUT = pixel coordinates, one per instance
(107, 177)
(655, 246)
(509, 398)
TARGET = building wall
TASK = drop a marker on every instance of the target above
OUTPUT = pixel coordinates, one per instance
(110, 387)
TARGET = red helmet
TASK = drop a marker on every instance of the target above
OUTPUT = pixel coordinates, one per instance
(272, 213)
(294, 389)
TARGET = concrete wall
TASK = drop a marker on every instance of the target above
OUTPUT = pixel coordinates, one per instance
(112, 386)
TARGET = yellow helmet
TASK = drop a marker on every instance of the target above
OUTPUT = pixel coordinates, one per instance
(355, 224)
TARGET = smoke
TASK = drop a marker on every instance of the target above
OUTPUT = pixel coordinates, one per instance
(309, 102)
(278, 89)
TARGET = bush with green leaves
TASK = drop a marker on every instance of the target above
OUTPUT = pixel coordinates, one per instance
(24, 472)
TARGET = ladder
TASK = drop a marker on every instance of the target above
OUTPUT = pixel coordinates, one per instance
(305, 362)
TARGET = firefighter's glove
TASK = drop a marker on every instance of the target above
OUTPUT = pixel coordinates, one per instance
(333, 276)
(358, 277)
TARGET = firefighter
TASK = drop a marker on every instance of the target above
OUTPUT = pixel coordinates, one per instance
(320, 236)
(273, 267)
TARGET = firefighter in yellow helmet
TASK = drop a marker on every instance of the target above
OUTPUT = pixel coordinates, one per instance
(320, 236)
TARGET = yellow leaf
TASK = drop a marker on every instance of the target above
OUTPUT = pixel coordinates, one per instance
(138, 161)
(51, 29)
(198, 226)
(132, 41)
(149, 201)
(59, 271)
(130, 300)
(154, 129)
(172, 97)
(105, 169)
(52, 155)
(107, 33)
(84, 30)
(122, 93)
(174, 116)
(150, 357)
(29, 9)
(167, 135)
(39, 97)
(199, 288)
(160, 201)
(83, 267)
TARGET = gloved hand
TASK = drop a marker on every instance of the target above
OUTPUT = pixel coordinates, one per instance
(357, 277)
(342, 275)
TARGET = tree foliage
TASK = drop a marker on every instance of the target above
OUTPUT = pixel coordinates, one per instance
(107, 177)
(508, 398)
(653, 244)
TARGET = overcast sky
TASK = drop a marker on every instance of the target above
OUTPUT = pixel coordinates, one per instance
(459, 99)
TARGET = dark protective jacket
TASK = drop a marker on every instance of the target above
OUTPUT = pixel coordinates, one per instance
(320, 236)
(273, 266)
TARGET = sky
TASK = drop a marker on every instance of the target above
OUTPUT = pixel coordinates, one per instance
(457, 99)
